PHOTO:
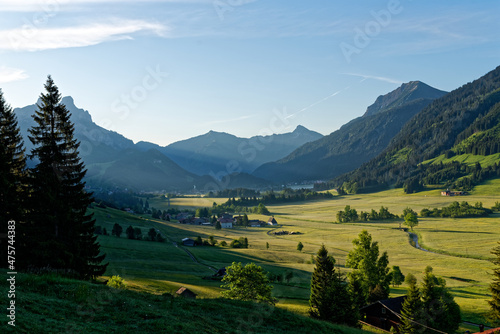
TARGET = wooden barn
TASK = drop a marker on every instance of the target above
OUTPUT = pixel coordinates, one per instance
(272, 221)
(186, 293)
(188, 242)
(384, 314)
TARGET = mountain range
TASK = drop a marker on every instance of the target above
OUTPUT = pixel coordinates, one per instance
(402, 139)
(216, 152)
(356, 142)
(212, 161)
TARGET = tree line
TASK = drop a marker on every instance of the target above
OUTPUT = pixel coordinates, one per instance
(48, 202)
(456, 210)
(351, 215)
(248, 197)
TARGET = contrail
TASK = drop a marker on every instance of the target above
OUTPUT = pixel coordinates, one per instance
(318, 102)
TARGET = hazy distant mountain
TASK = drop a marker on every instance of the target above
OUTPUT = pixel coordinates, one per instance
(114, 161)
(111, 159)
(356, 142)
(97, 143)
(141, 171)
(219, 153)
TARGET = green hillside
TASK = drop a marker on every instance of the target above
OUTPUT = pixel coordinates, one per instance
(51, 304)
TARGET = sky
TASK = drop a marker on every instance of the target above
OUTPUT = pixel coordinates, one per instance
(167, 70)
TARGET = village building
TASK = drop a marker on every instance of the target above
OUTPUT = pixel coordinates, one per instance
(256, 223)
(183, 217)
(200, 221)
(448, 192)
(384, 314)
(188, 242)
(272, 221)
(186, 293)
(226, 221)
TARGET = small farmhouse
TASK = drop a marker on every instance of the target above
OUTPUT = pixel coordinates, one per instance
(453, 193)
(186, 293)
(256, 223)
(183, 218)
(272, 221)
(384, 314)
(188, 242)
(200, 221)
(226, 221)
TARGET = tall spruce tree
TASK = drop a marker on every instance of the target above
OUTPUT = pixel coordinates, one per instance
(495, 288)
(411, 311)
(330, 299)
(440, 311)
(60, 230)
(12, 173)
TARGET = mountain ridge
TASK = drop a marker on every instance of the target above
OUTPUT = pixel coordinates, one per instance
(449, 125)
(216, 152)
(106, 155)
(405, 93)
(356, 141)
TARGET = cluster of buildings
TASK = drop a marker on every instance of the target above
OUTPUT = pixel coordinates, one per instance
(448, 192)
(226, 220)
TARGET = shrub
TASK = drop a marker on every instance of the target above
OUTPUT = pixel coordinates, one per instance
(116, 282)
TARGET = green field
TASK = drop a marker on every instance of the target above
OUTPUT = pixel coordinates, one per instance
(461, 246)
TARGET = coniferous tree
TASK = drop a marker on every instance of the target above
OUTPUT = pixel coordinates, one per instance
(130, 232)
(320, 300)
(300, 246)
(330, 299)
(117, 230)
(12, 173)
(60, 229)
(495, 288)
(440, 311)
(411, 311)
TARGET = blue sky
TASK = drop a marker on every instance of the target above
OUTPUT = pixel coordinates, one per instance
(164, 71)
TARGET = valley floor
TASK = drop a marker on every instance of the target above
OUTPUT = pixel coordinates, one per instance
(460, 248)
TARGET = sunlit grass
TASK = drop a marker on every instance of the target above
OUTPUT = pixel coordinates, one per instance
(157, 267)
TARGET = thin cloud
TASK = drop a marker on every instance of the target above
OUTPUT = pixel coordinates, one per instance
(51, 5)
(37, 39)
(384, 79)
(8, 74)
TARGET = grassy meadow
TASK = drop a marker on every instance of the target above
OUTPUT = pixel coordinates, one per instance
(460, 248)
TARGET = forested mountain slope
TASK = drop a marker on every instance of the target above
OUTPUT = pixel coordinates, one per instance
(463, 121)
(357, 141)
